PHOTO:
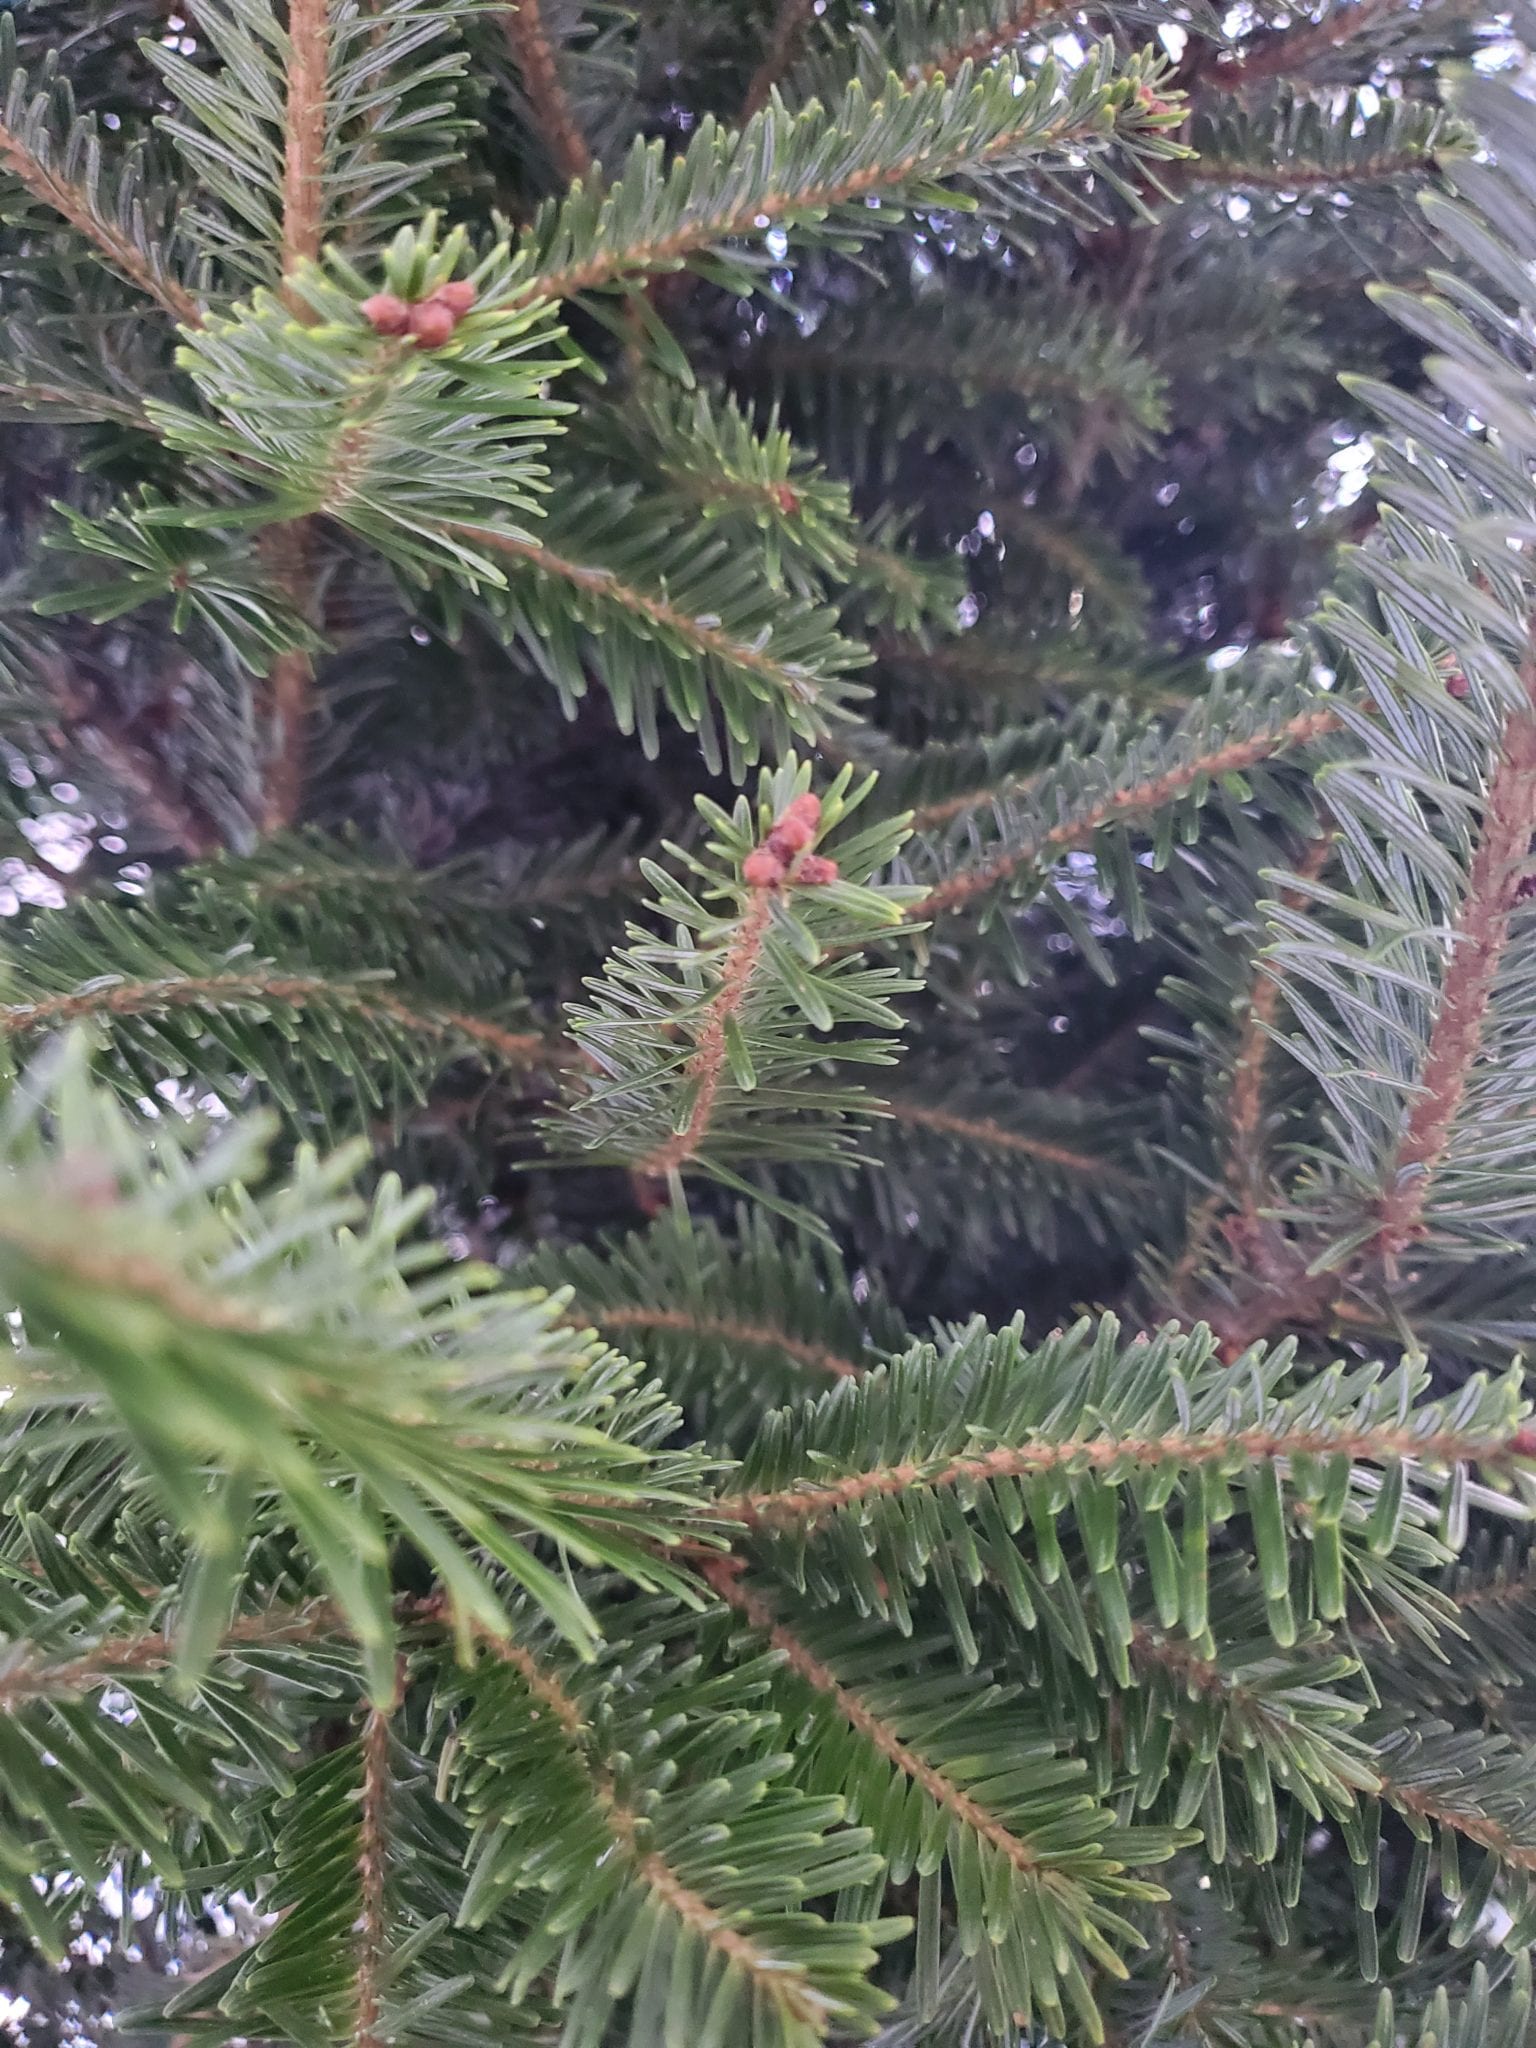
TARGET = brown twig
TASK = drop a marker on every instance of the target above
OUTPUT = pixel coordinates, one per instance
(706, 1064)
(290, 682)
(778, 1984)
(309, 58)
(1288, 52)
(1231, 758)
(701, 638)
(141, 998)
(547, 96)
(73, 204)
(724, 1575)
(783, 47)
(373, 1872)
(1479, 936)
(804, 1504)
(724, 1329)
(986, 1135)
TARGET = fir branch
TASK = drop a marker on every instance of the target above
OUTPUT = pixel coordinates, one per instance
(1481, 1828)
(1296, 174)
(71, 203)
(721, 196)
(805, 1504)
(304, 158)
(1425, 1795)
(987, 1135)
(1476, 952)
(783, 1988)
(724, 1575)
(799, 691)
(704, 1045)
(1287, 53)
(1246, 1176)
(623, 1315)
(707, 1062)
(126, 998)
(1018, 19)
(46, 166)
(114, 1658)
(1143, 799)
(789, 25)
(529, 36)
(372, 1872)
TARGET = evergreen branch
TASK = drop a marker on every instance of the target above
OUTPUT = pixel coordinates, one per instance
(72, 204)
(1432, 1804)
(539, 68)
(1246, 1115)
(125, 998)
(977, 45)
(784, 681)
(706, 1063)
(945, 1758)
(1478, 940)
(790, 20)
(1376, 167)
(986, 1134)
(981, 1413)
(1411, 1005)
(372, 1871)
(698, 1044)
(1289, 52)
(866, 379)
(658, 1850)
(32, 395)
(44, 164)
(315, 130)
(288, 1349)
(965, 1159)
(1246, 1109)
(1299, 144)
(732, 1326)
(621, 1316)
(799, 171)
(108, 1661)
(724, 1575)
(1423, 1793)
(808, 1503)
(1143, 799)
(304, 132)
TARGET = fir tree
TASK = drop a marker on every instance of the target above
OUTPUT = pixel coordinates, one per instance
(746, 640)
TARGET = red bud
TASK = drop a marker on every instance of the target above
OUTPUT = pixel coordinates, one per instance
(432, 324)
(796, 829)
(458, 295)
(762, 868)
(815, 871)
(385, 313)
